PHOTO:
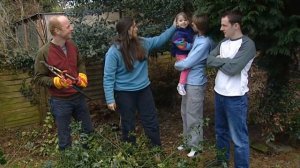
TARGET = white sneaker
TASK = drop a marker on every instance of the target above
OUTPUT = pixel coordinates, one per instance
(192, 153)
(180, 148)
(181, 90)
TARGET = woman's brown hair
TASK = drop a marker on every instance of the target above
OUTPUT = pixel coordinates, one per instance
(130, 48)
(202, 23)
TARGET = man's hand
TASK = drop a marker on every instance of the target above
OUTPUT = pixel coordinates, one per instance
(61, 82)
(82, 80)
(112, 106)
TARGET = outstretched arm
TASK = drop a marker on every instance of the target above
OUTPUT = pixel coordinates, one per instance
(158, 41)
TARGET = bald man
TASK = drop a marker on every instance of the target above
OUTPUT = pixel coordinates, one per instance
(65, 102)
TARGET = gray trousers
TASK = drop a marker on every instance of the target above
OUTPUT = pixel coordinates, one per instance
(192, 115)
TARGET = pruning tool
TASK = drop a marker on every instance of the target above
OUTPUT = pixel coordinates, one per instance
(62, 75)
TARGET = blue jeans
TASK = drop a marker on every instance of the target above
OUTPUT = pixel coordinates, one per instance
(63, 111)
(231, 124)
(128, 103)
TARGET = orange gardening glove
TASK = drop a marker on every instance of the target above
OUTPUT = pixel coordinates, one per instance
(82, 80)
(61, 83)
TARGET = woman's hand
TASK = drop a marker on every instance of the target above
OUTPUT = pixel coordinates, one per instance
(174, 22)
(112, 106)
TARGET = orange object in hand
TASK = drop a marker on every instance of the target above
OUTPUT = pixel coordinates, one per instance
(82, 80)
(62, 82)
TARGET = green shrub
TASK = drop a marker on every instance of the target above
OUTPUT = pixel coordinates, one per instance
(104, 149)
(279, 113)
(164, 79)
(295, 127)
(19, 59)
(2, 158)
(93, 38)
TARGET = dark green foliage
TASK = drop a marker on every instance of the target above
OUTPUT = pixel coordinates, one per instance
(19, 59)
(49, 5)
(295, 127)
(27, 90)
(106, 150)
(164, 79)
(92, 33)
(279, 112)
(93, 40)
(2, 158)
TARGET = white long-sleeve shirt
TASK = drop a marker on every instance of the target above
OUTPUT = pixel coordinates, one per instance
(234, 59)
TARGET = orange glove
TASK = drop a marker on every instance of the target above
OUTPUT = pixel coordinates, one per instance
(61, 83)
(82, 80)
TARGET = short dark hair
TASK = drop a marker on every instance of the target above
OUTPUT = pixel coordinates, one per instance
(202, 22)
(233, 17)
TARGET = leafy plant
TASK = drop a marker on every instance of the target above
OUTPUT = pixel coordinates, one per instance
(283, 113)
(19, 59)
(295, 127)
(49, 144)
(93, 38)
(103, 148)
(27, 90)
(44, 141)
(2, 158)
(164, 79)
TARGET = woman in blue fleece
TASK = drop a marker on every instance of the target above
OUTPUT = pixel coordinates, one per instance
(192, 102)
(126, 82)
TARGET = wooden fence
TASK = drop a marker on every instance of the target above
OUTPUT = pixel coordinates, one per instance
(15, 109)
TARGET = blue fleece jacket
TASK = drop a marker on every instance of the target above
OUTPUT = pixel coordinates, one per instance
(182, 41)
(196, 60)
(116, 76)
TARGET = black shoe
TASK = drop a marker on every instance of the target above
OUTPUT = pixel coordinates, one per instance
(216, 164)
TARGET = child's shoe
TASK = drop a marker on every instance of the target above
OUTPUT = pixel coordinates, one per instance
(181, 90)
